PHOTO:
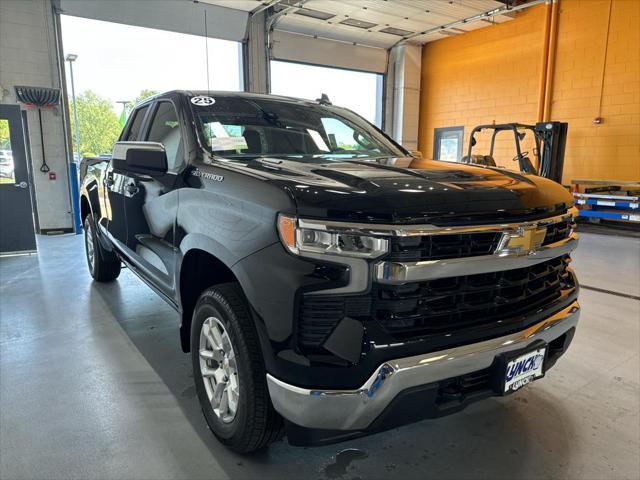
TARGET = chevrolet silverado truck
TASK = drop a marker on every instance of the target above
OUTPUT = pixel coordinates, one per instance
(325, 290)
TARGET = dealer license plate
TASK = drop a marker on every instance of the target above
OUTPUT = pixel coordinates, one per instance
(524, 369)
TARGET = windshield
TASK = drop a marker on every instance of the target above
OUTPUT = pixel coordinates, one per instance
(236, 127)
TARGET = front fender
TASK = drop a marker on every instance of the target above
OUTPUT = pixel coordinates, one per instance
(90, 192)
(200, 241)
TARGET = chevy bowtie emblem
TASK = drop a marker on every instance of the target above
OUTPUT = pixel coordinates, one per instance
(526, 240)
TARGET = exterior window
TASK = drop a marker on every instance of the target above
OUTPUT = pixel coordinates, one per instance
(447, 144)
(352, 89)
(6, 155)
(165, 129)
(133, 133)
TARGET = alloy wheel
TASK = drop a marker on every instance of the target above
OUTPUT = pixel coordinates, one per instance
(91, 253)
(218, 368)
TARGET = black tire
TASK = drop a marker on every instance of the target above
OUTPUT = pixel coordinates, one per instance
(255, 424)
(103, 266)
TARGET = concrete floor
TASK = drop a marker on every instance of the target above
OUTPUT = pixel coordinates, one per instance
(93, 385)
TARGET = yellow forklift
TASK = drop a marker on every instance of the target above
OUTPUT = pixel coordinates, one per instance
(549, 139)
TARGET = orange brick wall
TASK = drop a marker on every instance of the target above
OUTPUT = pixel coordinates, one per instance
(492, 75)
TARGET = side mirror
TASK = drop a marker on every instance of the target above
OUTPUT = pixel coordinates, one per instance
(146, 158)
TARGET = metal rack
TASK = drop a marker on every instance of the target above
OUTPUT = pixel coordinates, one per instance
(608, 200)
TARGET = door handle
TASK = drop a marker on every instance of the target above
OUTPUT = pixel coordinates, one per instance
(21, 185)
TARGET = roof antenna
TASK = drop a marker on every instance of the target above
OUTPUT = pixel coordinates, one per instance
(206, 48)
(324, 99)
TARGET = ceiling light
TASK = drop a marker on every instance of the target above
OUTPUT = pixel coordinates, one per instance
(352, 22)
(306, 12)
(396, 31)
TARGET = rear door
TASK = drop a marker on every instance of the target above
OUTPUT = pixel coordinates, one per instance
(151, 202)
(116, 181)
(16, 218)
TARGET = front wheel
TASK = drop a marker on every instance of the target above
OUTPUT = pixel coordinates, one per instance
(229, 371)
(103, 266)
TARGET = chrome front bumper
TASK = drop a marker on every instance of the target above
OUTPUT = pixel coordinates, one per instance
(357, 409)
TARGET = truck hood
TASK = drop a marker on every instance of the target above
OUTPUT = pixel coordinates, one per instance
(439, 192)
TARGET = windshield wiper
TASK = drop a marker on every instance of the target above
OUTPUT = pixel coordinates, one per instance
(353, 153)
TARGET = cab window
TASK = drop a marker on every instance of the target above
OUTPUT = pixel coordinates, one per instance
(165, 129)
(344, 138)
(133, 133)
(244, 128)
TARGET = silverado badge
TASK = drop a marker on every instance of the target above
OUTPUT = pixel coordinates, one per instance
(208, 176)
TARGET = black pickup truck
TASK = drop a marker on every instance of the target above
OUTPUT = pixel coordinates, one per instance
(325, 289)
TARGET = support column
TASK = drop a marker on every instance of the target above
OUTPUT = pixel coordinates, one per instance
(551, 62)
(256, 54)
(402, 102)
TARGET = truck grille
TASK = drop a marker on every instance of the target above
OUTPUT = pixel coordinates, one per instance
(451, 304)
(463, 245)
(439, 307)
(557, 231)
(440, 247)
(457, 389)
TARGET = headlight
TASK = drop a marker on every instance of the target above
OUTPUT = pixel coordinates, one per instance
(308, 240)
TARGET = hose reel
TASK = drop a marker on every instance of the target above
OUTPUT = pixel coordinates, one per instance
(40, 98)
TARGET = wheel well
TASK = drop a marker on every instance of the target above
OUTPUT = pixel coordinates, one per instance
(85, 208)
(200, 270)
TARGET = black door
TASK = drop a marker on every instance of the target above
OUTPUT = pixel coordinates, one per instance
(16, 217)
(116, 182)
(151, 202)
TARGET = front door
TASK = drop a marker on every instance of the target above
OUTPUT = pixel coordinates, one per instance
(16, 216)
(115, 187)
(151, 202)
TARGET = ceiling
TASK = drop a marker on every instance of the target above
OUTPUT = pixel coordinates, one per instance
(377, 23)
